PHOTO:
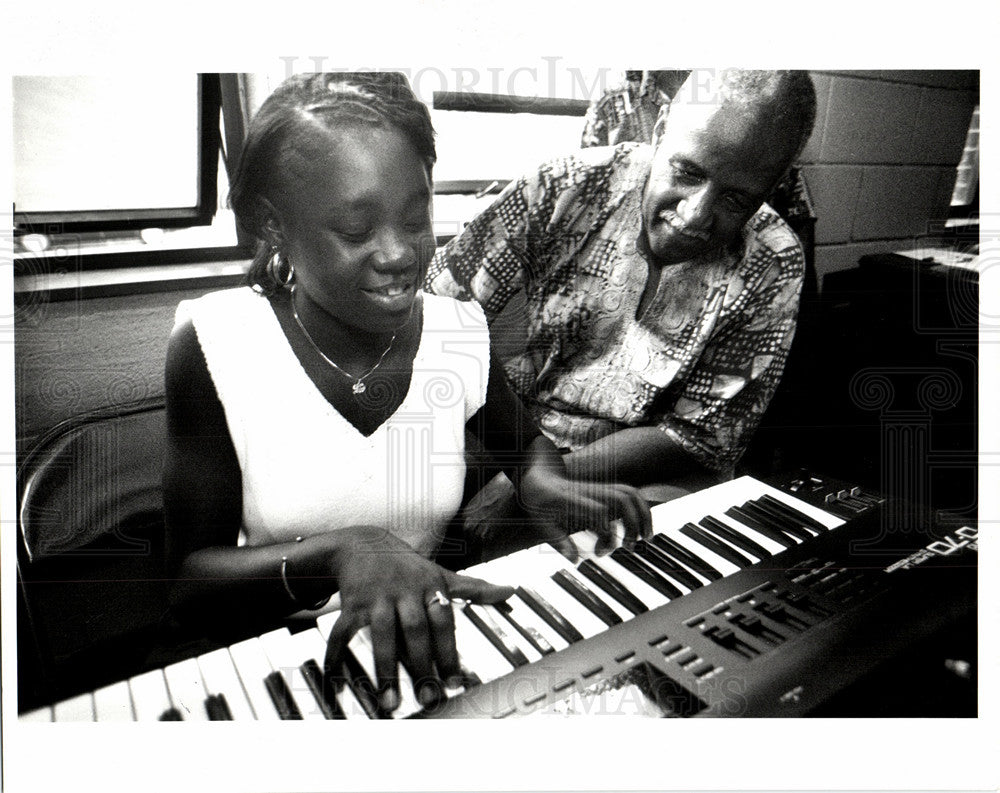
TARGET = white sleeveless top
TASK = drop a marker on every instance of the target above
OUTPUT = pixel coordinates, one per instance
(305, 468)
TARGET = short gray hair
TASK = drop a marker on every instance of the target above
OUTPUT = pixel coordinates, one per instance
(788, 96)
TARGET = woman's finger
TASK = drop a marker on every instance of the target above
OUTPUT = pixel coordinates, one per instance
(475, 589)
(414, 632)
(441, 620)
(383, 630)
(336, 643)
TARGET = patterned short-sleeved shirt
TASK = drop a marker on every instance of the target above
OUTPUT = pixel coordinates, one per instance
(700, 363)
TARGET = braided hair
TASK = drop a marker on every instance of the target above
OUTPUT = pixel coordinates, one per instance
(335, 100)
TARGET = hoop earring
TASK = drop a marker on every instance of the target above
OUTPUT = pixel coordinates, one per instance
(280, 269)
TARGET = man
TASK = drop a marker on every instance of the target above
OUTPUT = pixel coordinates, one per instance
(660, 291)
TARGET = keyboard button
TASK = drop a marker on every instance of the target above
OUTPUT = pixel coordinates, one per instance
(113, 703)
(589, 598)
(252, 666)
(221, 677)
(150, 697)
(187, 692)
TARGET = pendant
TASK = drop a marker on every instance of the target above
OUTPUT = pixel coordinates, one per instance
(359, 387)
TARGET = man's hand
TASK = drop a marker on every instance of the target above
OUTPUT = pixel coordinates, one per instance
(561, 506)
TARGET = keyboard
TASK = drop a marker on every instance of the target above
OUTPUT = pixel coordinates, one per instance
(749, 600)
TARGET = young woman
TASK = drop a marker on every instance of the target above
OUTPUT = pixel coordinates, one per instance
(316, 417)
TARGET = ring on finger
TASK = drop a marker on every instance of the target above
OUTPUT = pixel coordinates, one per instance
(438, 598)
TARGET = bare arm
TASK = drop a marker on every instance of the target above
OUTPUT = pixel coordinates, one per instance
(636, 455)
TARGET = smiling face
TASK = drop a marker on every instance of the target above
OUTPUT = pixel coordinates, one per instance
(354, 212)
(712, 169)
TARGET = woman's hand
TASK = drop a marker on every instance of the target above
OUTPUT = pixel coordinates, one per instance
(561, 506)
(385, 584)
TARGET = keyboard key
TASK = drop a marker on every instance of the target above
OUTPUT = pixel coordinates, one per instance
(711, 543)
(221, 677)
(187, 692)
(531, 626)
(252, 666)
(80, 708)
(481, 657)
(549, 615)
(768, 515)
(577, 615)
(793, 513)
(150, 697)
(586, 598)
(218, 708)
(681, 551)
(669, 566)
(113, 703)
(724, 532)
(650, 597)
(285, 655)
(745, 518)
(633, 562)
(611, 586)
(281, 697)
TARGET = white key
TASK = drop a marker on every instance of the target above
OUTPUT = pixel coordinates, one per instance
(45, 714)
(252, 666)
(649, 596)
(80, 708)
(495, 621)
(150, 698)
(221, 677)
(113, 703)
(280, 648)
(579, 617)
(476, 653)
(187, 691)
(724, 566)
(762, 540)
(528, 619)
(601, 595)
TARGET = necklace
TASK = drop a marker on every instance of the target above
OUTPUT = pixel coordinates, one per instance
(359, 386)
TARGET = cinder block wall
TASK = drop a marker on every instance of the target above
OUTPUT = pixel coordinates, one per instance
(880, 165)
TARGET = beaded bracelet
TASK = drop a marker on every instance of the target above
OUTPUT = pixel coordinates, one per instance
(288, 589)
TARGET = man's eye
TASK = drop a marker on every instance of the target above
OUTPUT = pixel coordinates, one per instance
(352, 235)
(684, 175)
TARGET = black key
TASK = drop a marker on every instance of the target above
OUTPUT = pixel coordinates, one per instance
(793, 513)
(779, 537)
(218, 708)
(611, 586)
(590, 601)
(698, 534)
(780, 521)
(684, 556)
(631, 562)
(723, 531)
(322, 689)
(666, 565)
(361, 685)
(281, 697)
(547, 612)
(495, 635)
(533, 637)
(171, 714)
